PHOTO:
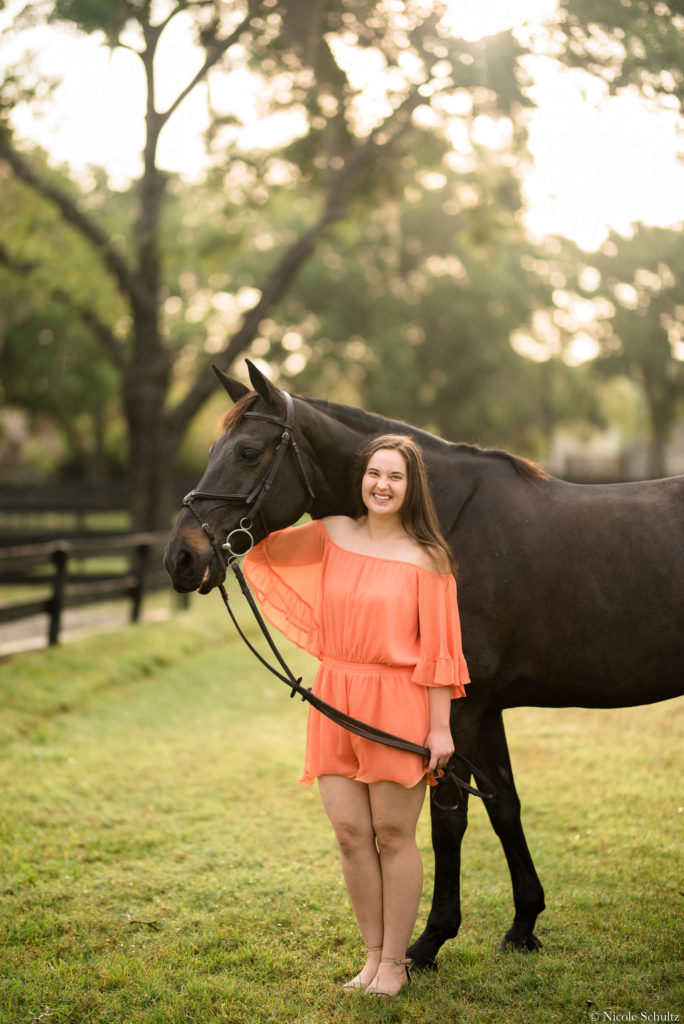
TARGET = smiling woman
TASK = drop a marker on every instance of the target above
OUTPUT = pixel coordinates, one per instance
(373, 597)
(384, 483)
(390, 487)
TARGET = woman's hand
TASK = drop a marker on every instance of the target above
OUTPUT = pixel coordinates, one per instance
(439, 739)
(440, 743)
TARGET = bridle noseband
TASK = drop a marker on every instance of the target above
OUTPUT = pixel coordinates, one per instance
(255, 498)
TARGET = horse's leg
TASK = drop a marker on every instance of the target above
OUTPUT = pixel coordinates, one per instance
(448, 829)
(504, 813)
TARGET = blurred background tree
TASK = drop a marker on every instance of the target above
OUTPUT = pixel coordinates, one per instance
(375, 251)
(639, 287)
(638, 43)
(639, 330)
(343, 161)
(54, 298)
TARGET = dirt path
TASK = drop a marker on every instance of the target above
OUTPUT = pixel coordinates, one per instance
(31, 634)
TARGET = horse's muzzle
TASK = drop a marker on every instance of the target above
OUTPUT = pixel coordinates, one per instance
(191, 567)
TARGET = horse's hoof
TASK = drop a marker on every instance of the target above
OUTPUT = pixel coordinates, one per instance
(523, 944)
(423, 952)
(423, 965)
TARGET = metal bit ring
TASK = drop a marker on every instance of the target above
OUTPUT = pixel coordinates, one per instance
(244, 527)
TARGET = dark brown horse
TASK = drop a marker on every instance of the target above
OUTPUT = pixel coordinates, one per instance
(569, 595)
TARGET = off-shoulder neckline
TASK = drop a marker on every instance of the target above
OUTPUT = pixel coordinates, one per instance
(379, 558)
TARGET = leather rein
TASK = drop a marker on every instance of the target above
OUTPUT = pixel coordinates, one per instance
(254, 501)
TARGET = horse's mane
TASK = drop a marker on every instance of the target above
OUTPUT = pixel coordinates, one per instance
(352, 416)
(525, 468)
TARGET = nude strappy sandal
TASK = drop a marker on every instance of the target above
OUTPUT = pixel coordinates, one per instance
(355, 984)
(399, 960)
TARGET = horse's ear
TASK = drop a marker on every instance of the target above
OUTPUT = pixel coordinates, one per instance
(263, 386)
(235, 389)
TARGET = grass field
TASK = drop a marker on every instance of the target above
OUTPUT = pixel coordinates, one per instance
(159, 862)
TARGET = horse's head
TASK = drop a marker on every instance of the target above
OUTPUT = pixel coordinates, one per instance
(256, 481)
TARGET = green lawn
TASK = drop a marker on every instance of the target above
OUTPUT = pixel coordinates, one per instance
(161, 864)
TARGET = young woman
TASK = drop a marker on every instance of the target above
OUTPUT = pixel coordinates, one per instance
(374, 598)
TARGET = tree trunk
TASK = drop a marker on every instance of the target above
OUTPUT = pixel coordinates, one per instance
(153, 449)
(153, 458)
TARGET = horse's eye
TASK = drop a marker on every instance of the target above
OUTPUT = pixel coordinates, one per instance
(250, 454)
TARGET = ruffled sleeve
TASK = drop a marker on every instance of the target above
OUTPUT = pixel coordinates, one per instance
(286, 573)
(441, 661)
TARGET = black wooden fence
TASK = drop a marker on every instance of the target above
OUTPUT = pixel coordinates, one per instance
(51, 509)
(69, 568)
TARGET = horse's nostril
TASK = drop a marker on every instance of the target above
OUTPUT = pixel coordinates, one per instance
(185, 560)
(179, 560)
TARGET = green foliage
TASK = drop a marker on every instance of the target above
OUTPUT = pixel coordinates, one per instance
(108, 16)
(181, 267)
(51, 363)
(645, 276)
(634, 42)
(635, 285)
(52, 367)
(160, 863)
(408, 290)
(410, 309)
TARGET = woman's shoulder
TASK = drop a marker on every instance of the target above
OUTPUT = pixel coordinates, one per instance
(435, 560)
(431, 559)
(348, 533)
(338, 528)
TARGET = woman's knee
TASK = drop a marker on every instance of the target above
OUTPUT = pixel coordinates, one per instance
(393, 838)
(352, 836)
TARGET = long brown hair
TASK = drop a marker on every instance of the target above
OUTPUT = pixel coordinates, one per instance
(418, 515)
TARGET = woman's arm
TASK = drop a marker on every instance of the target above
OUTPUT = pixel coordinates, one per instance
(439, 739)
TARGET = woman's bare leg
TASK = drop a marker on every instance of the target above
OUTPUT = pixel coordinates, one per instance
(347, 804)
(394, 815)
(375, 827)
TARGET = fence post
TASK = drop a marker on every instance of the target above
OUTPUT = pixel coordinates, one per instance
(59, 558)
(142, 557)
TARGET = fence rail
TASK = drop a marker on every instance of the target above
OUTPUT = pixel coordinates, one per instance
(51, 564)
(69, 497)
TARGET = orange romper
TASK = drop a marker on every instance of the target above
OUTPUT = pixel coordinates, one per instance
(383, 630)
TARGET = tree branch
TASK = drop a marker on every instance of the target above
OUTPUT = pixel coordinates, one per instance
(182, 7)
(89, 317)
(88, 229)
(214, 54)
(335, 208)
(102, 332)
(276, 285)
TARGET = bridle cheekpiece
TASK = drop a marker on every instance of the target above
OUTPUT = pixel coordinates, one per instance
(256, 497)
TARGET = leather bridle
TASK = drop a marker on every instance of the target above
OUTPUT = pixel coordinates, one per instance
(254, 500)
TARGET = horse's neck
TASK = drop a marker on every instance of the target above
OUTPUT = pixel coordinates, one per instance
(352, 426)
(331, 443)
(335, 433)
